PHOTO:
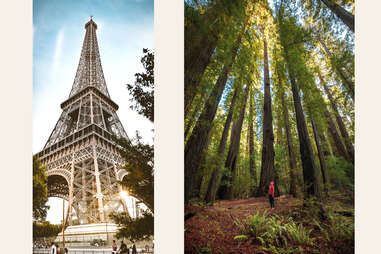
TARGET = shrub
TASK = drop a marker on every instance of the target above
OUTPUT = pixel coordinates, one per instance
(340, 172)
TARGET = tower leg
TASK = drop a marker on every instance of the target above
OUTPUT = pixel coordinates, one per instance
(98, 185)
(71, 192)
(120, 190)
(84, 200)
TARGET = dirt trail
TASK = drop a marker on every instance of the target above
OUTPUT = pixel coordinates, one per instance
(212, 227)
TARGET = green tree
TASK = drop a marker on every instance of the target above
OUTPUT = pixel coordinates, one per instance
(45, 229)
(134, 229)
(142, 91)
(40, 190)
(139, 158)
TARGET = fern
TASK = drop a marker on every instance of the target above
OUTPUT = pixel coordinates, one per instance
(299, 234)
(241, 237)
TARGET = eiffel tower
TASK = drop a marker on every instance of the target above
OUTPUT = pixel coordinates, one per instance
(81, 159)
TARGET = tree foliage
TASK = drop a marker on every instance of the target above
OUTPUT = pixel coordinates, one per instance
(139, 159)
(140, 228)
(143, 90)
(40, 190)
(45, 229)
(139, 180)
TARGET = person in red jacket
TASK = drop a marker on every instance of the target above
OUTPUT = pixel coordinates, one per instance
(271, 195)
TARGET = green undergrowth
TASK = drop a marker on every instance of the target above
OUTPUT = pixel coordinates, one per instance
(203, 250)
(305, 229)
(276, 234)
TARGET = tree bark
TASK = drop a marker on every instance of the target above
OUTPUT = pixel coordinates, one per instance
(323, 166)
(213, 183)
(193, 117)
(199, 48)
(345, 16)
(253, 172)
(324, 144)
(267, 167)
(195, 148)
(290, 147)
(201, 38)
(340, 123)
(200, 174)
(336, 138)
(311, 185)
(226, 192)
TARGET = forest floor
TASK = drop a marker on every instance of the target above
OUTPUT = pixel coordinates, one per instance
(212, 229)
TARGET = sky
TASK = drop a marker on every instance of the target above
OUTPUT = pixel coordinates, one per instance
(124, 29)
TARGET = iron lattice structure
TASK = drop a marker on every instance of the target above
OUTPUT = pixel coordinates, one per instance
(82, 161)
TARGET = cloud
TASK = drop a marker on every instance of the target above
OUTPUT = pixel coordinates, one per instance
(57, 52)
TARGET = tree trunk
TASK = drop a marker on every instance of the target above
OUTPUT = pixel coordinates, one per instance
(267, 167)
(253, 172)
(226, 192)
(199, 47)
(213, 183)
(345, 16)
(311, 185)
(323, 166)
(336, 137)
(290, 147)
(340, 123)
(200, 174)
(195, 148)
(332, 144)
(201, 38)
(324, 144)
(348, 84)
(193, 117)
(194, 72)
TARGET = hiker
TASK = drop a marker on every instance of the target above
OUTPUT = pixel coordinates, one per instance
(53, 249)
(114, 247)
(271, 195)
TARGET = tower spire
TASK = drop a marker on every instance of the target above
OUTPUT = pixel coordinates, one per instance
(89, 71)
(89, 101)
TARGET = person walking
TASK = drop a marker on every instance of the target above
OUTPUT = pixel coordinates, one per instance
(114, 247)
(123, 248)
(271, 195)
(134, 251)
(53, 249)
